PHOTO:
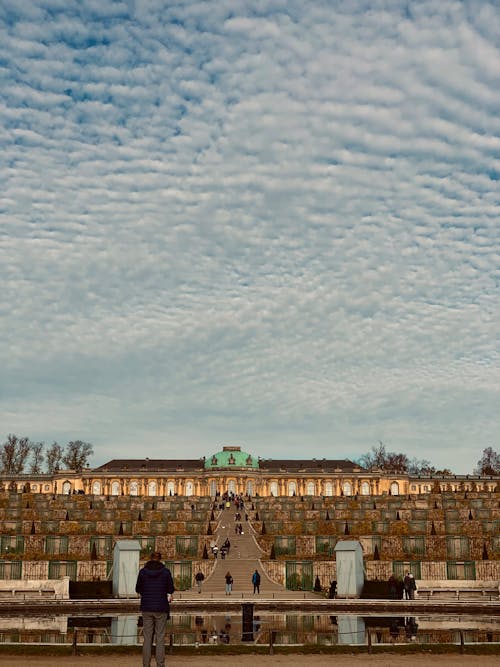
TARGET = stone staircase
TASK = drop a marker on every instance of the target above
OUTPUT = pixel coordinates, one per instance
(242, 560)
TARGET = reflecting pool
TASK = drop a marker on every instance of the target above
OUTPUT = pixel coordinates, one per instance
(258, 628)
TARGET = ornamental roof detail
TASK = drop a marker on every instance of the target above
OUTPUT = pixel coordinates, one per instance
(231, 457)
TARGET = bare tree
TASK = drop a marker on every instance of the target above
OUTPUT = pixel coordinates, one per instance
(379, 457)
(13, 454)
(53, 457)
(375, 458)
(489, 463)
(37, 457)
(77, 454)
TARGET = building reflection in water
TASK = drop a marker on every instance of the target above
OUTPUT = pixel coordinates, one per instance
(351, 629)
(283, 629)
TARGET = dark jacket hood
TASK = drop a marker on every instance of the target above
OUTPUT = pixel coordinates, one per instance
(153, 568)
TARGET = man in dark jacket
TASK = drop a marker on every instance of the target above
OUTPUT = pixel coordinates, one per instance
(155, 586)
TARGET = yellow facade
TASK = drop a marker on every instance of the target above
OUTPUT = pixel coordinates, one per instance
(234, 471)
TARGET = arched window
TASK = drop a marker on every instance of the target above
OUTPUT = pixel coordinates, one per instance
(310, 489)
(66, 488)
(189, 488)
(328, 489)
(394, 489)
(292, 489)
(115, 488)
(170, 489)
(96, 488)
(213, 488)
(273, 488)
(231, 486)
(347, 489)
(250, 488)
(365, 489)
(152, 489)
(134, 489)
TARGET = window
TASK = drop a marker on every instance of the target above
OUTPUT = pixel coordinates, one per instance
(189, 488)
(66, 488)
(328, 489)
(292, 489)
(250, 488)
(115, 488)
(273, 488)
(10, 544)
(134, 489)
(171, 489)
(457, 547)
(461, 570)
(284, 545)
(310, 489)
(394, 489)
(152, 489)
(101, 546)
(96, 488)
(186, 545)
(347, 489)
(56, 544)
(365, 489)
(414, 545)
(325, 544)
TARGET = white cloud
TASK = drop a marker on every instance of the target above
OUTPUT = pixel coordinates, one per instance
(277, 227)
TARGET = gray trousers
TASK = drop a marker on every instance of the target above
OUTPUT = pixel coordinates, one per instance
(154, 623)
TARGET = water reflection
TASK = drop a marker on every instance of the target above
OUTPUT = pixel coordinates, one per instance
(259, 628)
(350, 629)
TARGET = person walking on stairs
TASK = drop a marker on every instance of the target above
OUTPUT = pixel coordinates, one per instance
(229, 583)
(256, 581)
(199, 579)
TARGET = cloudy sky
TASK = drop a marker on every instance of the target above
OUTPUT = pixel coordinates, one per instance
(265, 223)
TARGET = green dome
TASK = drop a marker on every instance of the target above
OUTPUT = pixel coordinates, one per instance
(231, 457)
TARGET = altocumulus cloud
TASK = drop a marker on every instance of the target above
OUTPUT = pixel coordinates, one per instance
(268, 224)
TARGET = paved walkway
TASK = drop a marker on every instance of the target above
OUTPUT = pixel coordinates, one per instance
(243, 559)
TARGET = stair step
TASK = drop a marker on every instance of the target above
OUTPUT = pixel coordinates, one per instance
(242, 560)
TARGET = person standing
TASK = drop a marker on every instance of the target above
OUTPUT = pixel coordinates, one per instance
(199, 577)
(156, 587)
(229, 583)
(256, 581)
(413, 586)
(409, 586)
(393, 587)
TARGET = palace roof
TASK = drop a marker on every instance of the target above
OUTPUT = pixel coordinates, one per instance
(150, 465)
(229, 457)
(309, 465)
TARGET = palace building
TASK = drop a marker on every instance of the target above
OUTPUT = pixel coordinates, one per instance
(239, 472)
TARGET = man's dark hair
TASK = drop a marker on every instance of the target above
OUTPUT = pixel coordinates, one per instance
(156, 555)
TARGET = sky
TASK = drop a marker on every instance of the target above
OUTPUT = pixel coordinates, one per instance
(264, 223)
